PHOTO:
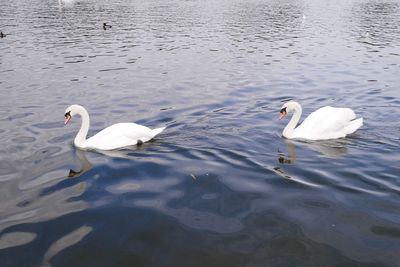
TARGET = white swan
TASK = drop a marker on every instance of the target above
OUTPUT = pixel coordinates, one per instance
(116, 136)
(324, 123)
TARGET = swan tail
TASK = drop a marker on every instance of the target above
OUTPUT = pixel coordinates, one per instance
(353, 126)
(157, 131)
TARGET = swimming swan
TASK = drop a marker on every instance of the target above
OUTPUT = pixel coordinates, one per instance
(116, 136)
(324, 123)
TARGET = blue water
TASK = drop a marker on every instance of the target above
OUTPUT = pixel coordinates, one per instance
(220, 186)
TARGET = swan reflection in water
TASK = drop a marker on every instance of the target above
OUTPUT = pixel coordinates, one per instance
(334, 149)
(86, 165)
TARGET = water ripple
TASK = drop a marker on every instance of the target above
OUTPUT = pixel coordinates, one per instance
(220, 182)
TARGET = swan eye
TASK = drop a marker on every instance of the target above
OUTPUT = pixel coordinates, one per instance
(283, 110)
(68, 114)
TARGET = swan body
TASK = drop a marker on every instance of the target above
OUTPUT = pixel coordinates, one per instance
(324, 123)
(116, 136)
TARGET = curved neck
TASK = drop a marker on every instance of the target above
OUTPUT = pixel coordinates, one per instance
(83, 131)
(288, 131)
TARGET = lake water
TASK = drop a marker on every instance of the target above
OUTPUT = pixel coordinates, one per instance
(220, 186)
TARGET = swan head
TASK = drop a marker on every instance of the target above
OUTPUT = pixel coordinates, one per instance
(71, 111)
(289, 107)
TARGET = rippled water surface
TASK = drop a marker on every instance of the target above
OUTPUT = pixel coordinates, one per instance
(220, 186)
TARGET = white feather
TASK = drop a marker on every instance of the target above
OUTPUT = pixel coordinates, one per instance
(324, 123)
(116, 136)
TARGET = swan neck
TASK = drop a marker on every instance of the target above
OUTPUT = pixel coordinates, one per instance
(289, 129)
(83, 131)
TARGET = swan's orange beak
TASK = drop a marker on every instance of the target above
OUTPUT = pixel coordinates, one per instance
(67, 118)
(283, 114)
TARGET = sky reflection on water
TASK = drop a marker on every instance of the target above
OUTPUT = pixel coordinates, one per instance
(220, 187)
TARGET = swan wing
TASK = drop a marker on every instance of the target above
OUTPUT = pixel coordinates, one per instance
(326, 123)
(119, 135)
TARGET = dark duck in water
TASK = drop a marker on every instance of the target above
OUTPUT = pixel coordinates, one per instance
(106, 27)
